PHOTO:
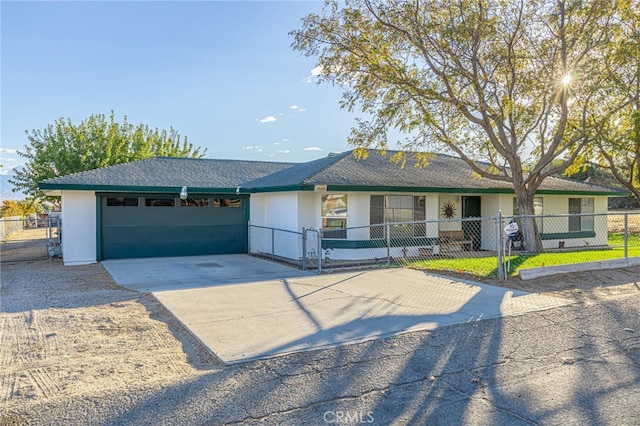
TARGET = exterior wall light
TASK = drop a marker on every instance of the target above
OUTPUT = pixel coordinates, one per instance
(183, 193)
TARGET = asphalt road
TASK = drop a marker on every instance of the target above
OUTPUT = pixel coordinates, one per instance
(572, 365)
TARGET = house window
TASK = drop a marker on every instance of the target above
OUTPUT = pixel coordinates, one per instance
(226, 202)
(122, 202)
(159, 202)
(400, 210)
(195, 202)
(581, 208)
(334, 216)
(537, 210)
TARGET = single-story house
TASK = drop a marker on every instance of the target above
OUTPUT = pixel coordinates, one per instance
(136, 209)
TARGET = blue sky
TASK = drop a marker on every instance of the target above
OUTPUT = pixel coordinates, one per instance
(221, 73)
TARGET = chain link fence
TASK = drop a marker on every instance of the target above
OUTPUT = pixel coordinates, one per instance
(478, 246)
(9, 226)
(32, 238)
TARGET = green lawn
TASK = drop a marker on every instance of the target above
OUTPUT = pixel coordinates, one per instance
(487, 266)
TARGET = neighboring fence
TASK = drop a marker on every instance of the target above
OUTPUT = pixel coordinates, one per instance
(10, 225)
(36, 237)
(478, 246)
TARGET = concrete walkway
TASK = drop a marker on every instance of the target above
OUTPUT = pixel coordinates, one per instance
(263, 309)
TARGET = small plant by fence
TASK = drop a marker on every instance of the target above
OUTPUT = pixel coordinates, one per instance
(477, 246)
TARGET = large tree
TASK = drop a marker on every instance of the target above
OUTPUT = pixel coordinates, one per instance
(517, 84)
(63, 147)
(618, 147)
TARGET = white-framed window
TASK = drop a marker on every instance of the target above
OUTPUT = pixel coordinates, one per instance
(397, 209)
(581, 208)
(334, 216)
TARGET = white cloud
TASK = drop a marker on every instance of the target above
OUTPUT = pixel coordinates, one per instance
(276, 143)
(5, 170)
(314, 73)
(312, 148)
(252, 148)
(9, 150)
(267, 119)
(285, 151)
(297, 108)
(284, 140)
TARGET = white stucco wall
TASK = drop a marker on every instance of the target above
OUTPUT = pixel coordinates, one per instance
(275, 210)
(559, 205)
(297, 210)
(78, 227)
(309, 207)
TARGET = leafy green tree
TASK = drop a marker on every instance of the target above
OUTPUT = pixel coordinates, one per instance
(63, 147)
(619, 144)
(517, 84)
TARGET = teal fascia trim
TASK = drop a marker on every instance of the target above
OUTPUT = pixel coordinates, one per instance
(176, 194)
(309, 187)
(568, 235)
(364, 188)
(285, 188)
(608, 194)
(140, 189)
(379, 243)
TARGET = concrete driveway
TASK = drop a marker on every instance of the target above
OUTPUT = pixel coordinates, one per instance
(244, 308)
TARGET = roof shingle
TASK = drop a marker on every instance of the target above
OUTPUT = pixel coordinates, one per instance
(442, 173)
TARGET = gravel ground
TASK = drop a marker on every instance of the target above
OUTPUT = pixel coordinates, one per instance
(75, 348)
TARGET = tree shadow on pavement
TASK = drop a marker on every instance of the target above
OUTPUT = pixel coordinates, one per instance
(570, 365)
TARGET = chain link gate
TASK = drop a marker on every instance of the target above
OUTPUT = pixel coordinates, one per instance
(32, 238)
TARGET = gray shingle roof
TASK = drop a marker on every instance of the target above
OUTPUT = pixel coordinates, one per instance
(340, 170)
(170, 172)
(377, 171)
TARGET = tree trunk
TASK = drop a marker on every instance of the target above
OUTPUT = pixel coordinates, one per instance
(528, 225)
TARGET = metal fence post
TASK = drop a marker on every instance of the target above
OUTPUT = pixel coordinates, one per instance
(249, 235)
(626, 236)
(273, 243)
(319, 250)
(388, 232)
(304, 248)
(501, 272)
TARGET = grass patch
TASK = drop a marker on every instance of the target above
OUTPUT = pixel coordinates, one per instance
(487, 266)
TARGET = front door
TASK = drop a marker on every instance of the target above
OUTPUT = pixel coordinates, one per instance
(471, 208)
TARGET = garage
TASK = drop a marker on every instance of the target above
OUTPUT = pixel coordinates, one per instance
(157, 225)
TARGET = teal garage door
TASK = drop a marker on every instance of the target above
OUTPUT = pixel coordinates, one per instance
(159, 225)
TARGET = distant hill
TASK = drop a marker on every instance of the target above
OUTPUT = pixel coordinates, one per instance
(6, 188)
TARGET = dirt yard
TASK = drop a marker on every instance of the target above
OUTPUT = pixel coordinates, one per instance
(71, 333)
